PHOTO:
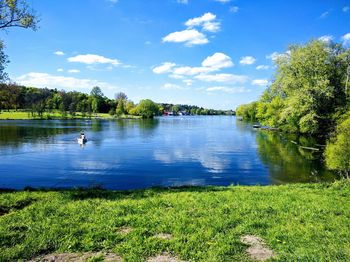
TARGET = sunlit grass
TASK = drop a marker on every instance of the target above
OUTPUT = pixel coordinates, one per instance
(308, 222)
(22, 115)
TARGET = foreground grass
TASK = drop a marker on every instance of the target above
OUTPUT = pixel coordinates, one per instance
(22, 115)
(308, 222)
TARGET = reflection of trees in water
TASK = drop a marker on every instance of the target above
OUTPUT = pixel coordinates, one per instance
(288, 162)
(145, 126)
(14, 135)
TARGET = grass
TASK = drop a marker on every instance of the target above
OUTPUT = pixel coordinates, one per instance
(302, 222)
(22, 115)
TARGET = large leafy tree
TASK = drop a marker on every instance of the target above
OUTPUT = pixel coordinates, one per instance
(14, 13)
(338, 150)
(17, 13)
(147, 108)
(309, 91)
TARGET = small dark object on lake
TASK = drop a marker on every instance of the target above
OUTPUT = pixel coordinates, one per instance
(256, 126)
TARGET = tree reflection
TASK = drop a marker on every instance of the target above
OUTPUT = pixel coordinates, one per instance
(14, 135)
(287, 161)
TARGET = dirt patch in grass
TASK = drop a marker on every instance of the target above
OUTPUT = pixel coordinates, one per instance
(257, 249)
(164, 236)
(17, 206)
(78, 257)
(125, 230)
(165, 257)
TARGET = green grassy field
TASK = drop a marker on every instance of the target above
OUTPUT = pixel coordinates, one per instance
(308, 222)
(21, 115)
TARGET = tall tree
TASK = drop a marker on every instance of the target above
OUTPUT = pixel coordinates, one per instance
(17, 13)
(14, 13)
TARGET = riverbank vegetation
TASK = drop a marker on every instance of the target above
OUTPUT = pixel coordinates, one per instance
(22, 102)
(310, 94)
(301, 222)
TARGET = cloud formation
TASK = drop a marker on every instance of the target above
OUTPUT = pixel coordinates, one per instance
(207, 22)
(189, 36)
(247, 60)
(260, 82)
(42, 80)
(59, 53)
(91, 59)
(218, 61)
(346, 39)
(193, 34)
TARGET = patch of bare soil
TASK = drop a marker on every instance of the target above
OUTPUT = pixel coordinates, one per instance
(165, 257)
(77, 257)
(257, 249)
(125, 230)
(164, 236)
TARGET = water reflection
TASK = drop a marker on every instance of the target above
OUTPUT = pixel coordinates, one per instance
(288, 162)
(136, 153)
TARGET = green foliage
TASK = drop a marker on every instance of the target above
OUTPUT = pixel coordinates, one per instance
(308, 90)
(147, 109)
(247, 111)
(205, 223)
(338, 150)
(16, 13)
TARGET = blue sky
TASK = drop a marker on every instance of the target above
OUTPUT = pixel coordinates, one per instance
(211, 53)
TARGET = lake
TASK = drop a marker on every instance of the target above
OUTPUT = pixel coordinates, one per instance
(166, 151)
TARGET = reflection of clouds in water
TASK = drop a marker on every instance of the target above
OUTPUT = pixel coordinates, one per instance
(92, 167)
(214, 154)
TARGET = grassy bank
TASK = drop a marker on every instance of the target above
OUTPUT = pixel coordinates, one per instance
(308, 222)
(22, 115)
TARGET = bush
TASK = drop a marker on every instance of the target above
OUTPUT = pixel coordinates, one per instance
(337, 152)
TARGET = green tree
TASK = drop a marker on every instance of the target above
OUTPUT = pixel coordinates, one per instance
(97, 99)
(337, 152)
(147, 108)
(14, 13)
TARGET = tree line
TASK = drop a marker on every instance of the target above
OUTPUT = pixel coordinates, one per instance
(310, 95)
(38, 101)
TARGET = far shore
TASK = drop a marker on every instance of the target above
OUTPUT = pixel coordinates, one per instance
(23, 115)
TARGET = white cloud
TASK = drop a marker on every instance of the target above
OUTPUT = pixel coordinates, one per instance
(247, 60)
(217, 61)
(326, 38)
(346, 9)
(227, 78)
(260, 82)
(324, 15)
(176, 76)
(91, 59)
(113, 1)
(73, 71)
(262, 67)
(164, 68)
(188, 82)
(189, 36)
(60, 70)
(42, 80)
(207, 22)
(59, 53)
(182, 1)
(234, 9)
(275, 55)
(226, 89)
(346, 39)
(190, 71)
(223, 1)
(169, 86)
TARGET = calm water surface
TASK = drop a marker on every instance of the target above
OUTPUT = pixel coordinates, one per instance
(167, 151)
